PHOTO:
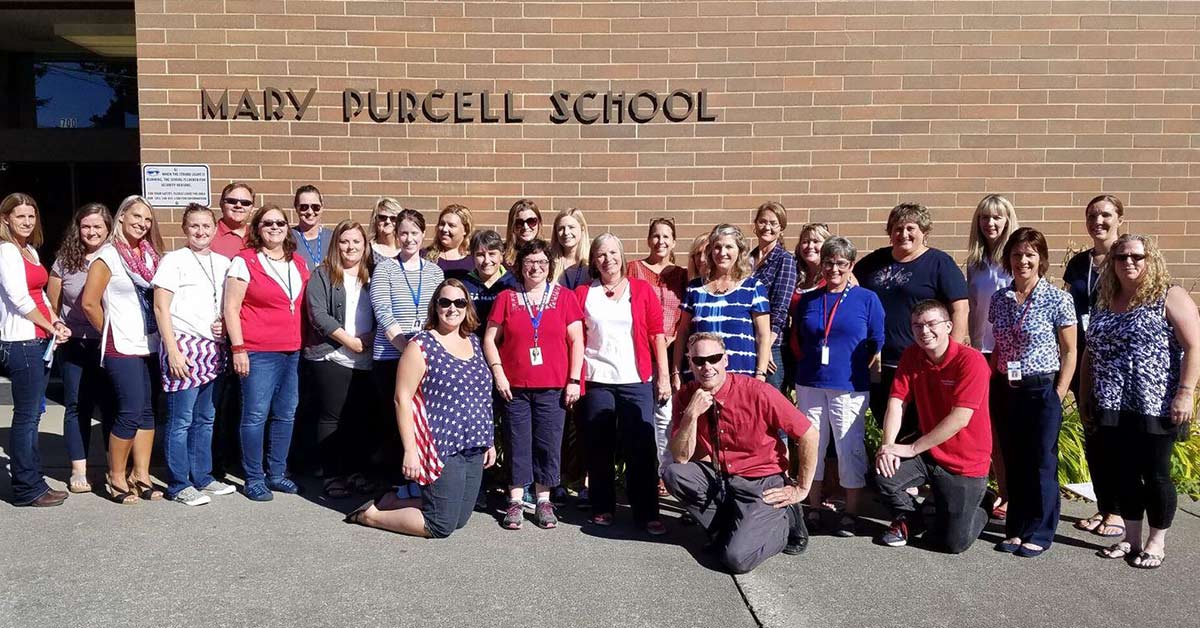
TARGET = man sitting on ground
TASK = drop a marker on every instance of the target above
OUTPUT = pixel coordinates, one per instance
(949, 383)
(730, 463)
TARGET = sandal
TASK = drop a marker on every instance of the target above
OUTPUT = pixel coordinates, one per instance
(1091, 523)
(335, 488)
(123, 497)
(361, 484)
(1120, 530)
(662, 489)
(1116, 550)
(1146, 560)
(148, 492)
(79, 483)
(603, 519)
(355, 516)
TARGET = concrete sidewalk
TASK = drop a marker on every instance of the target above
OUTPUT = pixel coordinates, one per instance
(293, 562)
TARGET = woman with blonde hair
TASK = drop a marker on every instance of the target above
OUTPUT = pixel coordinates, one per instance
(994, 220)
(1139, 384)
(451, 242)
(697, 265)
(808, 256)
(730, 302)
(385, 217)
(118, 300)
(776, 269)
(524, 225)
(568, 249)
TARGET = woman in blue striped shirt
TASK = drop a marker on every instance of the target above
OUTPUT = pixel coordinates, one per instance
(730, 302)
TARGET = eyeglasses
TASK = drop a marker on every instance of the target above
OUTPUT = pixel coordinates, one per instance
(536, 263)
(920, 327)
(305, 207)
(244, 202)
(840, 264)
(528, 223)
(765, 224)
(701, 360)
(386, 218)
(273, 223)
(1138, 258)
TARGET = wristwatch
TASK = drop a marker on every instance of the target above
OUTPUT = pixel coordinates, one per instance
(573, 380)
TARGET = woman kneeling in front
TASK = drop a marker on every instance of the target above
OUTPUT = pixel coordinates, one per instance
(444, 411)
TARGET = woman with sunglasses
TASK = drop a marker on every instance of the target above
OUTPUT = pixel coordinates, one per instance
(263, 307)
(524, 225)
(85, 385)
(401, 289)
(730, 302)
(838, 330)
(338, 354)
(188, 288)
(669, 282)
(237, 205)
(1103, 217)
(534, 347)
(776, 269)
(118, 300)
(568, 249)
(444, 409)
(385, 243)
(27, 327)
(451, 238)
(312, 237)
(1139, 384)
(623, 341)
(1033, 324)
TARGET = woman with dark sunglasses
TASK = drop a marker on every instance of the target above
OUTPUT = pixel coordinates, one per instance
(237, 205)
(384, 218)
(524, 225)
(313, 239)
(444, 408)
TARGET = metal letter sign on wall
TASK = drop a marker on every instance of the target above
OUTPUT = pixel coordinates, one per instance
(463, 106)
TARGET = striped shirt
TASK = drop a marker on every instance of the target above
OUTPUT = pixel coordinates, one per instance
(729, 316)
(400, 299)
(207, 357)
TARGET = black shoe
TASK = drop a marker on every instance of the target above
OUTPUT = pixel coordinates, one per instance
(797, 540)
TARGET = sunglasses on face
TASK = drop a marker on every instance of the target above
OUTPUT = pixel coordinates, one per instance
(273, 223)
(313, 207)
(528, 223)
(443, 303)
(244, 202)
(386, 218)
(701, 360)
(1125, 257)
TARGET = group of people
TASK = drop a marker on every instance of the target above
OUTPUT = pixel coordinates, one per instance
(417, 362)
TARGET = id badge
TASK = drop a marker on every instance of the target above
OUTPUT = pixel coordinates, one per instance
(535, 356)
(416, 325)
(824, 355)
(1014, 371)
(1084, 319)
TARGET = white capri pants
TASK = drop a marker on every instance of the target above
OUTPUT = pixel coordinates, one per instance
(840, 415)
(662, 427)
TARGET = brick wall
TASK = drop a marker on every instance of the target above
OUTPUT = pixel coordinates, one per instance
(837, 109)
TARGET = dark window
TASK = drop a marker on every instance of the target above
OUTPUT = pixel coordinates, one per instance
(94, 94)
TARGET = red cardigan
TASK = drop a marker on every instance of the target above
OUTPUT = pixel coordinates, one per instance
(647, 322)
(267, 322)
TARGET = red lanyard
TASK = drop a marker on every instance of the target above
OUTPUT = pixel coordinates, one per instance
(832, 313)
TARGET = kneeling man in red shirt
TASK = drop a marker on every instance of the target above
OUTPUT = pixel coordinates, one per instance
(949, 383)
(730, 468)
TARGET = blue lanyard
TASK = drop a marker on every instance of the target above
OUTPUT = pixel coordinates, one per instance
(416, 296)
(536, 321)
(320, 247)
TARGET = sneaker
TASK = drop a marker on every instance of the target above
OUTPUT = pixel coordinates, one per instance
(219, 488)
(584, 501)
(846, 527)
(258, 492)
(284, 485)
(191, 497)
(896, 535)
(513, 516)
(544, 516)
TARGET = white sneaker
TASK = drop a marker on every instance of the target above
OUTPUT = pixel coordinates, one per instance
(219, 488)
(191, 497)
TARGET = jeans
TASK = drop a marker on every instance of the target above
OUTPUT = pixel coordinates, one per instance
(85, 387)
(448, 502)
(621, 416)
(270, 393)
(959, 515)
(188, 441)
(23, 361)
(343, 406)
(136, 383)
(776, 379)
(535, 429)
(1029, 434)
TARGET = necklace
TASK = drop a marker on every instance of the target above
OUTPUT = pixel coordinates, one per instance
(610, 292)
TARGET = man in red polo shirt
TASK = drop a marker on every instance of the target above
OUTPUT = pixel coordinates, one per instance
(730, 468)
(237, 206)
(949, 383)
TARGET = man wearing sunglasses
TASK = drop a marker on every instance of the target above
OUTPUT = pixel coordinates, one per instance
(730, 464)
(237, 205)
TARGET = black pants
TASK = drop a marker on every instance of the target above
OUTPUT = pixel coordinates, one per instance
(880, 394)
(227, 453)
(621, 416)
(959, 515)
(342, 407)
(1106, 482)
(1143, 469)
(732, 510)
(386, 452)
(1031, 420)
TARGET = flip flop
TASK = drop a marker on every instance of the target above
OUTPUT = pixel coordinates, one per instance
(1116, 551)
(79, 483)
(1120, 530)
(1090, 524)
(1140, 561)
(355, 516)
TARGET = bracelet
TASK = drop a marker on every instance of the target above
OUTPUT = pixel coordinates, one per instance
(237, 348)
(573, 380)
(494, 365)
(760, 373)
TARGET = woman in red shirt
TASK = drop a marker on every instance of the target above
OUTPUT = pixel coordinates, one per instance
(534, 347)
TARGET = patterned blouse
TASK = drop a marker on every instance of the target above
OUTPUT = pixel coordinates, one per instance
(458, 396)
(1028, 331)
(668, 286)
(730, 316)
(778, 273)
(1135, 360)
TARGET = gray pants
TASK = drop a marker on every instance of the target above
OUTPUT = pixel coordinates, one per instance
(732, 510)
(959, 516)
